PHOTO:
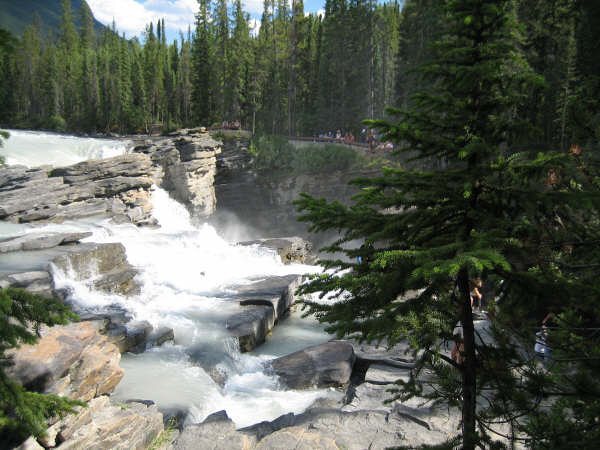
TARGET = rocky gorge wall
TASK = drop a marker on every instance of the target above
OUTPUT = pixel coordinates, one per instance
(264, 201)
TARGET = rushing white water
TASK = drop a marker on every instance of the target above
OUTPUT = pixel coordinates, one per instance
(186, 273)
(34, 148)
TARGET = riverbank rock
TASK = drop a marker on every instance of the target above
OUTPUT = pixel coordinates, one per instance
(103, 266)
(103, 425)
(185, 165)
(328, 364)
(117, 186)
(72, 360)
(216, 432)
(290, 249)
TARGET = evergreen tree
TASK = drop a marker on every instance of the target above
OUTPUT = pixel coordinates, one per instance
(202, 65)
(492, 213)
(23, 412)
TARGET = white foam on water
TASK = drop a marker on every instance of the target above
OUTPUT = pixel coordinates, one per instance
(185, 272)
(35, 148)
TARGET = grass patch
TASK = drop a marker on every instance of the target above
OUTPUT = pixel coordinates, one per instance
(276, 153)
(165, 436)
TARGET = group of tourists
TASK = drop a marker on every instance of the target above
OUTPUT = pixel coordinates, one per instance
(337, 136)
(231, 125)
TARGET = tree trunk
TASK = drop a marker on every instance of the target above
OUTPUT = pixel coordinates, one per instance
(468, 368)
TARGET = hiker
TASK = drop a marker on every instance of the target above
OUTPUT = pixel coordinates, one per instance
(476, 296)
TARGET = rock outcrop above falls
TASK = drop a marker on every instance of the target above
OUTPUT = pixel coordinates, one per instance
(184, 164)
(187, 162)
(115, 186)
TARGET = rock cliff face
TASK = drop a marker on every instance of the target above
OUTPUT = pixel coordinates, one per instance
(187, 162)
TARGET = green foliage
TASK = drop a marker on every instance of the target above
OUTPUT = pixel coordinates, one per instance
(276, 153)
(23, 412)
(56, 123)
(519, 219)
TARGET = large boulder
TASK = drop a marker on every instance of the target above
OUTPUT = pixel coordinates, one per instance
(104, 266)
(72, 360)
(258, 307)
(328, 364)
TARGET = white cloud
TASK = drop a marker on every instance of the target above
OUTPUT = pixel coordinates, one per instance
(254, 25)
(132, 16)
(254, 7)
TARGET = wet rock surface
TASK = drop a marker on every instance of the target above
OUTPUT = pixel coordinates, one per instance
(103, 266)
(261, 305)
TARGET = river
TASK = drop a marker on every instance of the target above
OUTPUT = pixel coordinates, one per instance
(184, 270)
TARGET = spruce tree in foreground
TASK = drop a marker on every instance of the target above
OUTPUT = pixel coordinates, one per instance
(24, 413)
(518, 220)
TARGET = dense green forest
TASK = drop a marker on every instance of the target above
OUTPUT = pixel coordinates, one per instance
(299, 75)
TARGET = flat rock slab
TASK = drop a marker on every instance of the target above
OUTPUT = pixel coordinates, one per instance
(39, 241)
(290, 249)
(328, 364)
(384, 374)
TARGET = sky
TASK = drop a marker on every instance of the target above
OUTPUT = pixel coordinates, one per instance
(131, 16)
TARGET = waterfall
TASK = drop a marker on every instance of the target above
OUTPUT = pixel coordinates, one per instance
(186, 273)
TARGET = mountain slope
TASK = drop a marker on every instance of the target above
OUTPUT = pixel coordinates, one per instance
(15, 15)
